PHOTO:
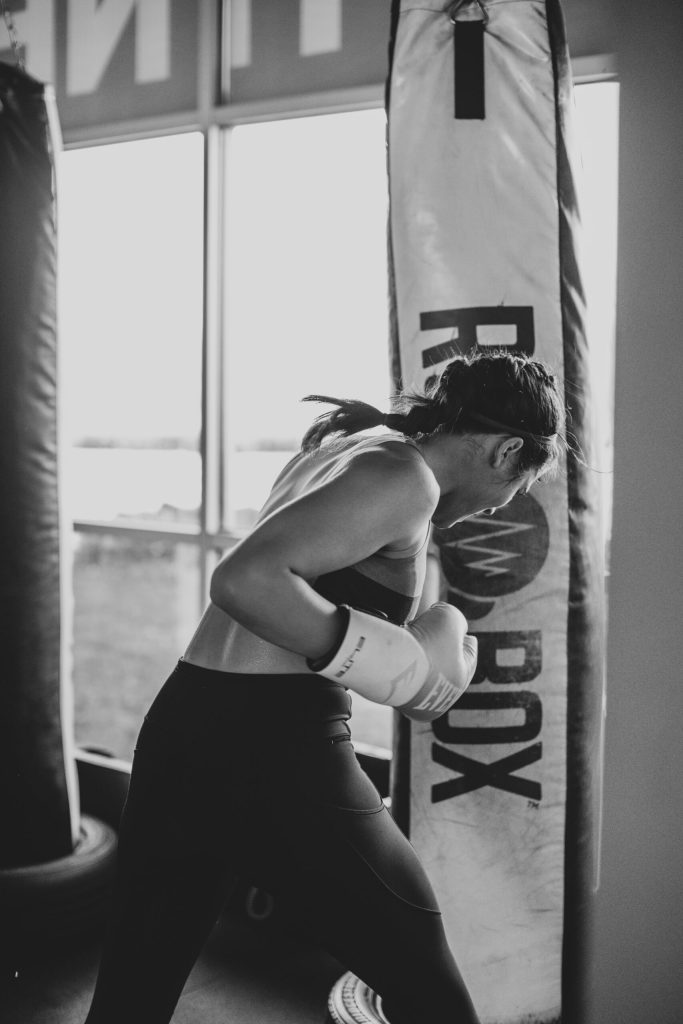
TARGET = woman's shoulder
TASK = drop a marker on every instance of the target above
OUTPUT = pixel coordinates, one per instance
(393, 447)
(395, 464)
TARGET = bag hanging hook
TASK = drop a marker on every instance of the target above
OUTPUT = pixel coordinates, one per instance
(13, 37)
(458, 4)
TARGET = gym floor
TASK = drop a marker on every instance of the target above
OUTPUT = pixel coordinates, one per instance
(248, 974)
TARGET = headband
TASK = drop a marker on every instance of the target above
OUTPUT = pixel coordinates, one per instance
(507, 429)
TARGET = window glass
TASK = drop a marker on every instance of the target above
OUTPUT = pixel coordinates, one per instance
(130, 272)
(135, 608)
(597, 122)
(306, 286)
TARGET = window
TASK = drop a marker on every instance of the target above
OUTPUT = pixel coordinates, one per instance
(135, 606)
(304, 299)
(131, 228)
(130, 250)
(306, 286)
(597, 123)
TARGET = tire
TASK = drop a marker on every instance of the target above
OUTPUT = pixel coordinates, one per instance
(61, 898)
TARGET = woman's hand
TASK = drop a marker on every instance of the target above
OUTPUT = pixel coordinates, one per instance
(421, 668)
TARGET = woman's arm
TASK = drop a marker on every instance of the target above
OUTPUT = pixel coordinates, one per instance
(381, 498)
(432, 587)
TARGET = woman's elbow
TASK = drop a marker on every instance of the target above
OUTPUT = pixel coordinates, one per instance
(236, 586)
(224, 586)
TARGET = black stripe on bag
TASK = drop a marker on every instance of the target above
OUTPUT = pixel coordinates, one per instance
(468, 47)
(467, 320)
(585, 606)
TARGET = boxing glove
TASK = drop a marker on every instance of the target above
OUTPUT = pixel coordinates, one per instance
(420, 668)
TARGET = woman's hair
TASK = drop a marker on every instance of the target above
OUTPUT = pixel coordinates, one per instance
(491, 392)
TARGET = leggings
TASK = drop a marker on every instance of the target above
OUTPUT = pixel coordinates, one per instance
(255, 776)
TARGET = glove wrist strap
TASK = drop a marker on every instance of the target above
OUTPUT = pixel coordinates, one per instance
(321, 663)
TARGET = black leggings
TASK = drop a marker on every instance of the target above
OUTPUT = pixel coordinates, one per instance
(255, 776)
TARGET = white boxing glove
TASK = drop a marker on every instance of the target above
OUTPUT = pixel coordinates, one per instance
(421, 668)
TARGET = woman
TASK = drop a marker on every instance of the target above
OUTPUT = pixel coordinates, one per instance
(243, 764)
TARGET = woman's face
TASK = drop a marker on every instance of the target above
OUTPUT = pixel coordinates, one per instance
(482, 492)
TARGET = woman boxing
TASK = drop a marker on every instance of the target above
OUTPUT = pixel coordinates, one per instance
(243, 764)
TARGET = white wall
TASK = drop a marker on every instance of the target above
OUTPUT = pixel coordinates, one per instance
(638, 961)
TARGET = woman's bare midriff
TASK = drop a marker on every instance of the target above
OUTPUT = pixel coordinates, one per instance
(221, 644)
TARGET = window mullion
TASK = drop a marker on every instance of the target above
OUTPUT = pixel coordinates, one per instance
(212, 439)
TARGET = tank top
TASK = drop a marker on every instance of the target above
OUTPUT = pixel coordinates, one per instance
(388, 582)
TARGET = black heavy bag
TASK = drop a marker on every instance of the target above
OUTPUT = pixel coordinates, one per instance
(38, 805)
(497, 796)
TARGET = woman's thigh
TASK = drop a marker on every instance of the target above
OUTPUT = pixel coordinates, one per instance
(343, 872)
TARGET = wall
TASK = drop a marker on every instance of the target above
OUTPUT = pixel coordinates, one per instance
(639, 921)
(590, 25)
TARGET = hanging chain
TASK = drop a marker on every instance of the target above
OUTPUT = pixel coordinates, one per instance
(12, 33)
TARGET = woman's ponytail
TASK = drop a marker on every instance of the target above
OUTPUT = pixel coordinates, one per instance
(349, 417)
(416, 416)
(413, 415)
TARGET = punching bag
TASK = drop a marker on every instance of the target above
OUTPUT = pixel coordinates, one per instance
(498, 795)
(39, 803)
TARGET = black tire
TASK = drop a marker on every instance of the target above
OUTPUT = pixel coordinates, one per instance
(61, 898)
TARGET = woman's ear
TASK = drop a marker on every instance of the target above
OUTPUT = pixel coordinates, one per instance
(505, 451)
